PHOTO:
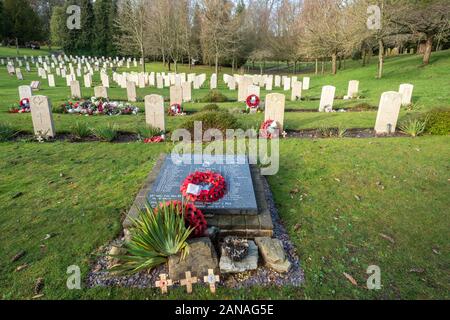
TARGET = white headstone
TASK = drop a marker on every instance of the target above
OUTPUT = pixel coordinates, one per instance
(327, 98)
(406, 90)
(296, 93)
(101, 92)
(213, 84)
(25, 92)
(252, 89)
(388, 111)
(244, 83)
(131, 91)
(353, 89)
(51, 81)
(187, 91)
(275, 104)
(306, 81)
(75, 89)
(176, 95)
(154, 111)
(287, 84)
(41, 114)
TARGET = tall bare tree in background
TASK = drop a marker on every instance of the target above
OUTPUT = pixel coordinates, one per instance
(427, 19)
(326, 31)
(215, 34)
(133, 24)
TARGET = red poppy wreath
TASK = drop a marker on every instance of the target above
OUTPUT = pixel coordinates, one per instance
(253, 101)
(206, 187)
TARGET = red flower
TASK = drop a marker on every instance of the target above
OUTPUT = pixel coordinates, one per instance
(214, 183)
(193, 217)
(156, 139)
(265, 132)
(253, 101)
(175, 109)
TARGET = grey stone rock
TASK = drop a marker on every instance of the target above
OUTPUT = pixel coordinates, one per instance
(273, 254)
(250, 262)
(202, 256)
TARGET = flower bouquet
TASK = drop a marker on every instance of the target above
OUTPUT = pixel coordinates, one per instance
(23, 107)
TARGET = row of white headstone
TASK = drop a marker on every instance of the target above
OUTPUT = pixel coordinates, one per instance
(328, 94)
(386, 122)
(252, 84)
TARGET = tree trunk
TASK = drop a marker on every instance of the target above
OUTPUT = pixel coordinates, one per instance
(340, 63)
(143, 58)
(317, 66)
(175, 62)
(380, 58)
(323, 67)
(428, 49)
(364, 54)
(217, 65)
(17, 46)
(333, 63)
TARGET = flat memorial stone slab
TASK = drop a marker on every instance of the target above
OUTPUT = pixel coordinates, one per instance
(239, 199)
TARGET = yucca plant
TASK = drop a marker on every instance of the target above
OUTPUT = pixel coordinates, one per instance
(413, 127)
(7, 132)
(341, 131)
(107, 132)
(80, 130)
(156, 235)
(325, 131)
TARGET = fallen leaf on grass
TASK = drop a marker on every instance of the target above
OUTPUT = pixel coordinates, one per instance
(20, 268)
(436, 251)
(357, 197)
(297, 227)
(351, 279)
(17, 195)
(18, 256)
(39, 286)
(416, 270)
(37, 296)
(388, 238)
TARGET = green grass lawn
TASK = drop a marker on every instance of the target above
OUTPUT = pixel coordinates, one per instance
(80, 192)
(346, 203)
(12, 52)
(431, 90)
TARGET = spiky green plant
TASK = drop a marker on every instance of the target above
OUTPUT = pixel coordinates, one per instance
(146, 132)
(156, 235)
(413, 127)
(342, 131)
(325, 131)
(80, 130)
(107, 132)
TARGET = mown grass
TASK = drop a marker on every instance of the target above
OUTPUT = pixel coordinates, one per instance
(431, 89)
(359, 201)
(79, 193)
(12, 52)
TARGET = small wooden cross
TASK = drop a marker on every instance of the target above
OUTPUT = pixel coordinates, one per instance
(188, 282)
(163, 283)
(211, 278)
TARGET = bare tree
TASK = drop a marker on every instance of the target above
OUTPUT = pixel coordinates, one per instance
(215, 36)
(325, 28)
(429, 19)
(132, 22)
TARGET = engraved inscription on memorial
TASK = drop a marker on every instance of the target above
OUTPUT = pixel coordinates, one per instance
(240, 196)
